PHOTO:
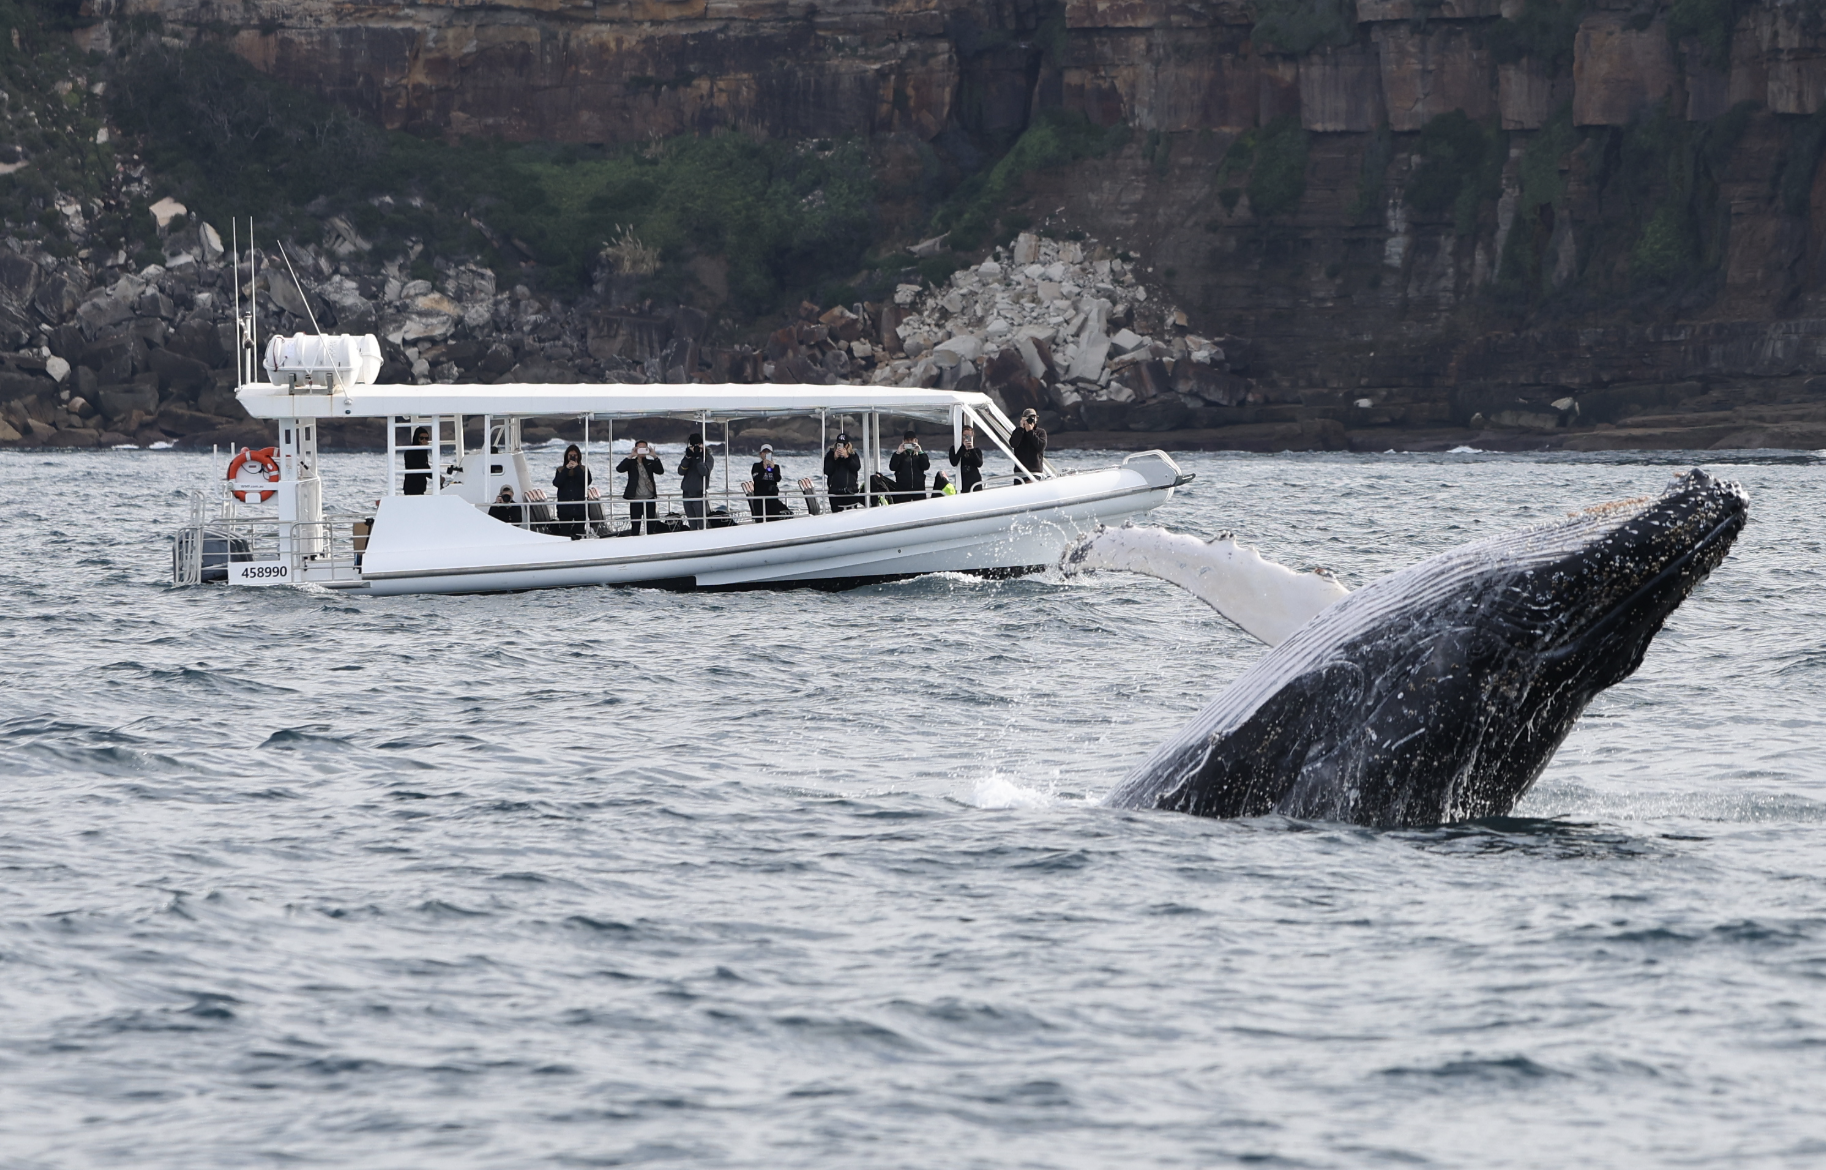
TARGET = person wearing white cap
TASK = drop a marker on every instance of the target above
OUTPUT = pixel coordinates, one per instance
(765, 475)
(843, 474)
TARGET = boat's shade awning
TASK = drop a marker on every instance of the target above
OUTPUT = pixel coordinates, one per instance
(689, 400)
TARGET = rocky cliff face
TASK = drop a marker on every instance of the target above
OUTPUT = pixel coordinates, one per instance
(1455, 213)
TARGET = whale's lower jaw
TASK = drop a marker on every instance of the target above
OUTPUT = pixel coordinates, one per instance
(1442, 692)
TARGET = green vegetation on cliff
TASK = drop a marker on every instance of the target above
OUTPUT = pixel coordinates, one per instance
(232, 141)
(1299, 26)
(1543, 30)
(1274, 156)
(1660, 238)
(1461, 167)
(1709, 22)
(51, 121)
(980, 205)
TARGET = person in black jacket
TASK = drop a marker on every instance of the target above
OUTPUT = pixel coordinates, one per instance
(766, 503)
(572, 481)
(643, 470)
(1029, 446)
(969, 457)
(418, 485)
(909, 465)
(843, 474)
(505, 510)
(695, 470)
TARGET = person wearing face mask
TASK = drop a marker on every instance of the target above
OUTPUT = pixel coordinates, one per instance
(643, 470)
(1029, 446)
(572, 480)
(909, 465)
(843, 474)
(766, 503)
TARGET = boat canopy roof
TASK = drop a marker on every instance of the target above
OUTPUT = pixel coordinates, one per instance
(686, 401)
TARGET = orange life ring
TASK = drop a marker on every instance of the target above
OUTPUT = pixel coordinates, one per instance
(266, 457)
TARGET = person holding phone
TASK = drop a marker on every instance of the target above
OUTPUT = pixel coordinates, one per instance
(572, 480)
(643, 470)
(765, 477)
(968, 458)
(843, 474)
(694, 469)
(909, 465)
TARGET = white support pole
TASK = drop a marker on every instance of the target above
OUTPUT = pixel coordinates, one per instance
(488, 460)
(995, 436)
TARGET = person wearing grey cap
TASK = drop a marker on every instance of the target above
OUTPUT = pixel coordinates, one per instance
(843, 474)
(1029, 446)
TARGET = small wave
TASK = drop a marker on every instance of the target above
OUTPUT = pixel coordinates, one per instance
(1510, 1070)
(1466, 451)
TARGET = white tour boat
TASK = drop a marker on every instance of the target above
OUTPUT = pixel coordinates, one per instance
(427, 528)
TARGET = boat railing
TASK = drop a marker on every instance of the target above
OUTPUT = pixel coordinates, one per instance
(605, 515)
(233, 532)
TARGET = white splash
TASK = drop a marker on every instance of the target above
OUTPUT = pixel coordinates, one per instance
(998, 791)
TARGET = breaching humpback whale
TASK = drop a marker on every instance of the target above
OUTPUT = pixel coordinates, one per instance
(1438, 693)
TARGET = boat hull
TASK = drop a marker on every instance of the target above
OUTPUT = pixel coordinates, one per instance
(440, 544)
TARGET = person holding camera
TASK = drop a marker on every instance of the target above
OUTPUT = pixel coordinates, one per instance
(968, 457)
(765, 502)
(1029, 446)
(909, 465)
(505, 510)
(572, 481)
(695, 470)
(643, 470)
(843, 474)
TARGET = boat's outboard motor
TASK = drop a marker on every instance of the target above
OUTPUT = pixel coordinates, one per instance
(200, 555)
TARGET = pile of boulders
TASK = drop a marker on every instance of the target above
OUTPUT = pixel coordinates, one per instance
(1068, 328)
(1062, 326)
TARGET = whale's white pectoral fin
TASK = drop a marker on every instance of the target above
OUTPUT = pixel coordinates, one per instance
(1266, 600)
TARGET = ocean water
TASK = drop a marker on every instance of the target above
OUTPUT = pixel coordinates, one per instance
(602, 877)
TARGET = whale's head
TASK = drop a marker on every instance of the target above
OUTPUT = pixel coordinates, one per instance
(1441, 692)
(1588, 594)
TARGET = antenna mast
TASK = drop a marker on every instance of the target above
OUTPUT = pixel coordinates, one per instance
(234, 242)
(253, 303)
